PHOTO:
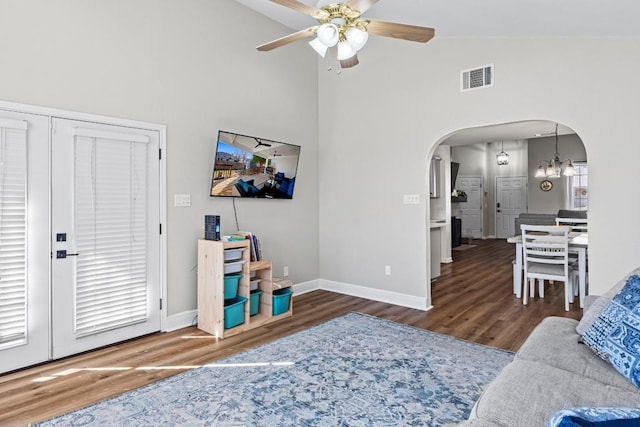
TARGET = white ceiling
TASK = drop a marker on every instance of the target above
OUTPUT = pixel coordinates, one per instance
(528, 130)
(490, 18)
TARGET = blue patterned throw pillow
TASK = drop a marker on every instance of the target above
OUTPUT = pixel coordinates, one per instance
(623, 343)
(615, 335)
(594, 337)
(596, 417)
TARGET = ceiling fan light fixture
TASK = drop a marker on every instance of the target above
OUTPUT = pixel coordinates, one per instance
(357, 38)
(345, 51)
(319, 47)
(328, 34)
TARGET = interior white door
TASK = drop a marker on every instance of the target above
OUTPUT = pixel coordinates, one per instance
(511, 201)
(471, 210)
(105, 221)
(24, 240)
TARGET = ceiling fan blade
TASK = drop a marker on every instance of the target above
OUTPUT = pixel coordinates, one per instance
(304, 8)
(360, 5)
(348, 63)
(307, 32)
(400, 31)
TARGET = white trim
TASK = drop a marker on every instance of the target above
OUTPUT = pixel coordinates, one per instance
(74, 115)
(113, 136)
(189, 318)
(303, 288)
(395, 298)
(13, 124)
(180, 320)
(447, 260)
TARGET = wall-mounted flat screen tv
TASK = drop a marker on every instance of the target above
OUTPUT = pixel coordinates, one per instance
(246, 166)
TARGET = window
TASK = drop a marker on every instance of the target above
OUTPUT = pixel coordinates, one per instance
(579, 188)
(13, 232)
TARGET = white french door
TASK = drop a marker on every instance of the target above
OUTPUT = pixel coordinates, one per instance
(105, 235)
(24, 231)
(80, 251)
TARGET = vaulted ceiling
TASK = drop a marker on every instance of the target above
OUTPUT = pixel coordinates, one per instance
(490, 18)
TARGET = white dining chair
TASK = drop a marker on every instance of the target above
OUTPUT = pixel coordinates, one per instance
(575, 224)
(545, 250)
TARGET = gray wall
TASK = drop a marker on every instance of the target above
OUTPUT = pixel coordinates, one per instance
(191, 66)
(569, 147)
(404, 99)
(480, 160)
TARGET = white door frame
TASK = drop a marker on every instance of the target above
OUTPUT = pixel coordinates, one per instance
(162, 131)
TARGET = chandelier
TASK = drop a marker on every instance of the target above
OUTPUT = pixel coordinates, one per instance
(502, 158)
(555, 168)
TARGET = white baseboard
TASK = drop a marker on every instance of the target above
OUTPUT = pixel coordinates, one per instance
(304, 287)
(447, 260)
(187, 318)
(180, 320)
(395, 298)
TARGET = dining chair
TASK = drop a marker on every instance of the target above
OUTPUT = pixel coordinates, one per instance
(545, 250)
(578, 225)
(575, 224)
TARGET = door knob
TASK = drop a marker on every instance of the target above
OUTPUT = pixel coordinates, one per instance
(63, 254)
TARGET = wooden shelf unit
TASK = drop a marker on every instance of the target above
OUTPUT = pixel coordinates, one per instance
(211, 289)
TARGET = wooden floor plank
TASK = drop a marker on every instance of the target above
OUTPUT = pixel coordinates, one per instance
(472, 300)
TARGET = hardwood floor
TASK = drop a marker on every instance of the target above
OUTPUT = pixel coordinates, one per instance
(472, 300)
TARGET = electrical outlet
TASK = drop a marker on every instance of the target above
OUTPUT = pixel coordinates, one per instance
(285, 271)
(182, 200)
(387, 270)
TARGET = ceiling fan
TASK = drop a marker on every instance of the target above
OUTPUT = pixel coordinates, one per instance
(341, 27)
(259, 143)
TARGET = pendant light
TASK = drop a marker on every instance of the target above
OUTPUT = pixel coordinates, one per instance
(502, 158)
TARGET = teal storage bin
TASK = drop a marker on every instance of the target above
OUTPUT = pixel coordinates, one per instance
(231, 285)
(281, 299)
(254, 302)
(234, 312)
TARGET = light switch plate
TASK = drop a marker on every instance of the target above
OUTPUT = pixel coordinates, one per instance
(411, 199)
(182, 200)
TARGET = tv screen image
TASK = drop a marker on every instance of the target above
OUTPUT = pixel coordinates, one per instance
(247, 166)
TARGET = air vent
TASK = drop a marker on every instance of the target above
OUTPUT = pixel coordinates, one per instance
(477, 78)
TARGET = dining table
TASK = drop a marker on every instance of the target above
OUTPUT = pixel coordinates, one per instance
(578, 244)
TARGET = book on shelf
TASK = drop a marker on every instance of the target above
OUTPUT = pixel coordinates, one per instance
(254, 244)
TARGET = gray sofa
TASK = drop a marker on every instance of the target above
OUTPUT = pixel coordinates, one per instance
(545, 219)
(552, 371)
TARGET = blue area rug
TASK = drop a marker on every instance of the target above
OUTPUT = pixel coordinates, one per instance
(355, 370)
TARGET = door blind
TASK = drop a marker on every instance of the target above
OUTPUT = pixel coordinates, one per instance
(13, 232)
(110, 202)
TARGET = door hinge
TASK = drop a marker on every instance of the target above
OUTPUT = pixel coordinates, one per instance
(159, 153)
(160, 303)
(160, 228)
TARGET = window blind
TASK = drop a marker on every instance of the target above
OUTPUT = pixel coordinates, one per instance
(13, 232)
(111, 232)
